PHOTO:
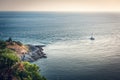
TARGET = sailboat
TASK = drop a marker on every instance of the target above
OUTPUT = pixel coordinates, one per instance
(92, 38)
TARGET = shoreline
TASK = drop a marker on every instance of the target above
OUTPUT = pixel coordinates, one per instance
(15, 60)
(26, 52)
(35, 52)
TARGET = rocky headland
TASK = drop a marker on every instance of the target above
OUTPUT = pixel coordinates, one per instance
(27, 52)
(15, 59)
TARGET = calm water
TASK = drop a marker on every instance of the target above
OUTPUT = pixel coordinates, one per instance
(71, 55)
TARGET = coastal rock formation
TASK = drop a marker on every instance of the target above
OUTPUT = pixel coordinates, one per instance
(26, 52)
(35, 52)
(12, 68)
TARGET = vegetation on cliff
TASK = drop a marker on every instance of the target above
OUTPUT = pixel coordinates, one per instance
(12, 68)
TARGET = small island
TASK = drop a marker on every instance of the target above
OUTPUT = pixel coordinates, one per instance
(15, 58)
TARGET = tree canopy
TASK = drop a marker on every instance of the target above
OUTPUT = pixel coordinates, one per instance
(11, 67)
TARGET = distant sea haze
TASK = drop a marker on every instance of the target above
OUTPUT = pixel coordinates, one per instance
(71, 54)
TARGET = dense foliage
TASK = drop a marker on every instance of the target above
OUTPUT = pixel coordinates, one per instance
(27, 71)
(2, 44)
(7, 58)
(11, 68)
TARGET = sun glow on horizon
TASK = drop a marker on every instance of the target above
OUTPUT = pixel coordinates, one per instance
(61, 5)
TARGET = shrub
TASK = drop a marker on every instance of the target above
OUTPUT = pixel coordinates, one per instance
(28, 72)
(11, 66)
(9, 39)
(7, 58)
(2, 44)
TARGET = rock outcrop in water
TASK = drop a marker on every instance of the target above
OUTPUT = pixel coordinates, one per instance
(35, 52)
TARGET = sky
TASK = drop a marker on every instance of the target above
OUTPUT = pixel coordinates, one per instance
(61, 5)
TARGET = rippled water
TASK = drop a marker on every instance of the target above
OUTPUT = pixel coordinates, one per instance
(71, 55)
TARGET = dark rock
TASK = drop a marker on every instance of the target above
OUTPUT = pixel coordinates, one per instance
(35, 53)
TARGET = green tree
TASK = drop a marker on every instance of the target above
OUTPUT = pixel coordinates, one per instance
(30, 72)
(7, 58)
(11, 66)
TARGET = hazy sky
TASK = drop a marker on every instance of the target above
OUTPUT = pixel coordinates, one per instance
(60, 5)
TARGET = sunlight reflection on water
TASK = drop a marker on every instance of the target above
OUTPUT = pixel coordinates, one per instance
(83, 58)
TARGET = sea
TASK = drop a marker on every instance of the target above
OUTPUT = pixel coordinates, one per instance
(71, 55)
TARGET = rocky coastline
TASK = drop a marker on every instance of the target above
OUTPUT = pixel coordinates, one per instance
(27, 52)
(34, 53)
(15, 59)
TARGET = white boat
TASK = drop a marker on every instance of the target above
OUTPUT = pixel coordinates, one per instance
(92, 38)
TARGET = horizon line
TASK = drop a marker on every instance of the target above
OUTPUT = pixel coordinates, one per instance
(63, 11)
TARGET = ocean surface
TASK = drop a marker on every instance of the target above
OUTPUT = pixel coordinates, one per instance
(71, 54)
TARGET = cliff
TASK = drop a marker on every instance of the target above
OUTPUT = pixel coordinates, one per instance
(13, 61)
(26, 52)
